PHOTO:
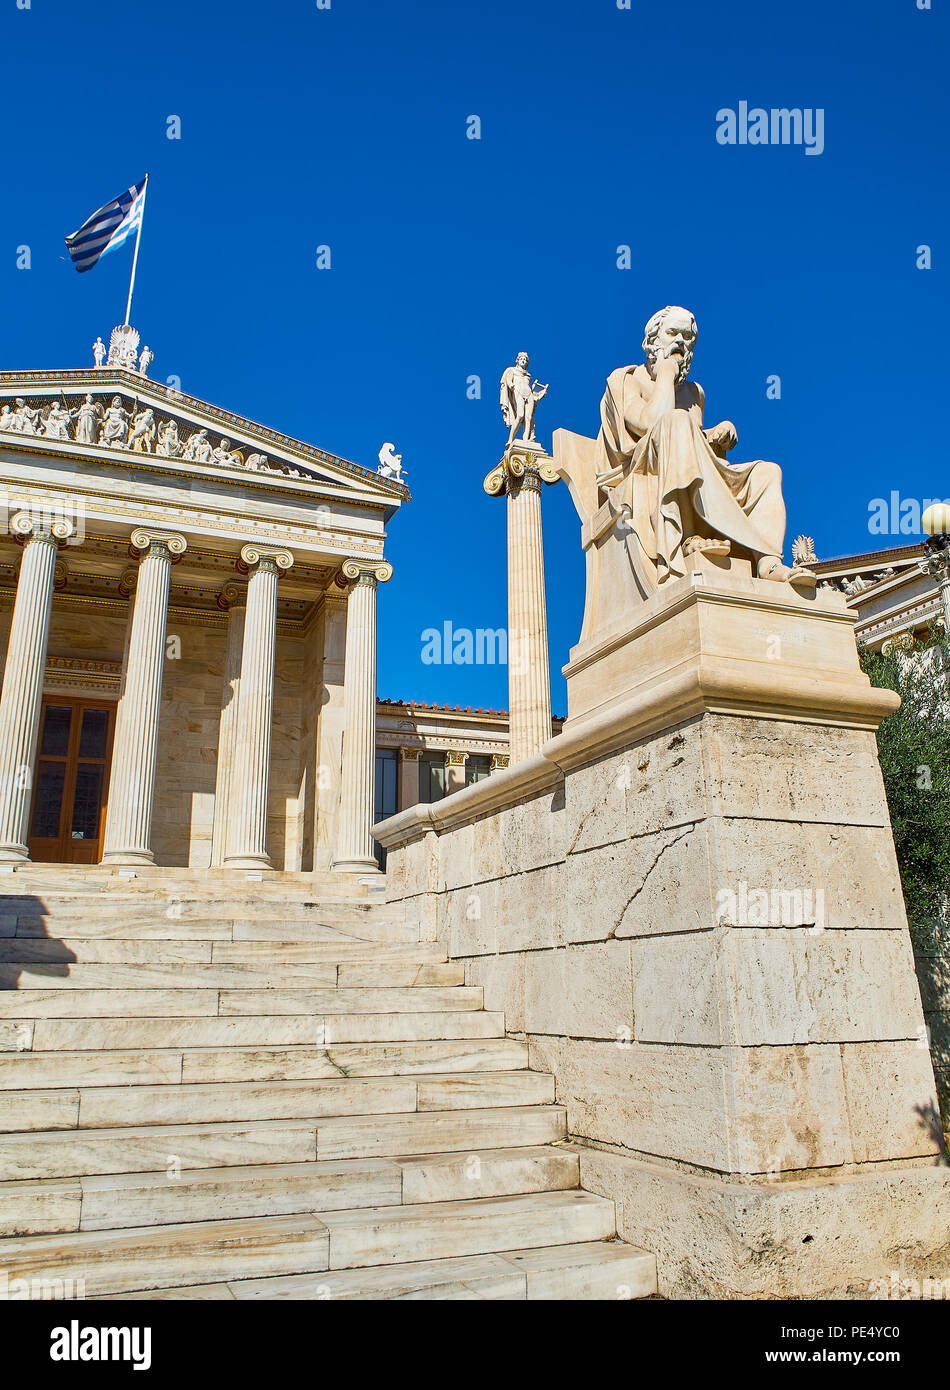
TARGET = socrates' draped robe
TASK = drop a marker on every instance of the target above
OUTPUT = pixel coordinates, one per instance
(741, 502)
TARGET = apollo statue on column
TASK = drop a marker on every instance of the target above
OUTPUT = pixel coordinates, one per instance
(519, 397)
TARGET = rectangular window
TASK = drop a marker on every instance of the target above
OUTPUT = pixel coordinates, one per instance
(431, 777)
(387, 767)
(477, 769)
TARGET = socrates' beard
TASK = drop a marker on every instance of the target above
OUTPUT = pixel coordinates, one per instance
(686, 361)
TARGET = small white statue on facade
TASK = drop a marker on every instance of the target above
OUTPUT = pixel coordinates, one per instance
(198, 447)
(142, 434)
(24, 417)
(115, 425)
(169, 445)
(99, 352)
(123, 347)
(87, 421)
(56, 422)
(6, 418)
(519, 397)
(256, 461)
(390, 463)
(146, 358)
(223, 456)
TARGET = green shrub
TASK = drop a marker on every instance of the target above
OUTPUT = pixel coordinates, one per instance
(914, 748)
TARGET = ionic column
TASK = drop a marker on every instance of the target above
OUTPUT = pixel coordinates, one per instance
(408, 777)
(354, 849)
(519, 476)
(233, 599)
(132, 780)
(247, 798)
(22, 695)
(454, 770)
(498, 762)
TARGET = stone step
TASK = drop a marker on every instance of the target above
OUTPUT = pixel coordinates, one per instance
(97, 908)
(112, 1201)
(150, 1148)
(259, 1030)
(100, 1107)
(161, 928)
(170, 1066)
(591, 1270)
(41, 950)
(201, 1252)
(247, 975)
(23, 950)
(198, 1003)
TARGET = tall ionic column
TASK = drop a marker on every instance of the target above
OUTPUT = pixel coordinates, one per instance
(354, 847)
(519, 477)
(22, 695)
(132, 780)
(250, 772)
(232, 599)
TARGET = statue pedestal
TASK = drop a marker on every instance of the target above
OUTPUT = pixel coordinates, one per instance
(689, 905)
(778, 1083)
(765, 645)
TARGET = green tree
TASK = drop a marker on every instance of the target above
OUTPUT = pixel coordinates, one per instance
(914, 749)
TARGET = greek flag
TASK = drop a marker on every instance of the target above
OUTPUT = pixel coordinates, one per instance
(107, 228)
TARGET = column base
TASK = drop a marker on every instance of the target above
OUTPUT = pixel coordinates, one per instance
(132, 858)
(247, 861)
(357, 865)
(14, 854)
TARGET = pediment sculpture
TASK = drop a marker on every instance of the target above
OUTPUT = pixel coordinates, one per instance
(118, 423)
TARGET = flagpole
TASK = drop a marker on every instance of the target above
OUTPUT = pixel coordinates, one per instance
(135, 257)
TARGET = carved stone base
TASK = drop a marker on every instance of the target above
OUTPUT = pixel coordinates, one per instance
(835, 1236)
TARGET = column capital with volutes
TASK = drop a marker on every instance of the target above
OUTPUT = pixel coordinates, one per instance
(26, 527)
(373, 572)
(145, 541)
(523, 465)
(275, 558)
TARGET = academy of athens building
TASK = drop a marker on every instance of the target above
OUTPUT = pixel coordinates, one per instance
(159, 557)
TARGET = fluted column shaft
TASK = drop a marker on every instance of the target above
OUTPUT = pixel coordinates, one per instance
(354, 852)
(529, 678)
(22, 695)
(250, 774)
(234, 600)
(132, 781)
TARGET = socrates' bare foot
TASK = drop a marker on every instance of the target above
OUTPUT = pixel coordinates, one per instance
(708, 547)
(771, 567)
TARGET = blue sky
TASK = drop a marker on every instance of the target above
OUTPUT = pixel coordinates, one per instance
(347, 127)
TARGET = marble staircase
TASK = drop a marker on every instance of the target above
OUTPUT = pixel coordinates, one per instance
(217, 1089)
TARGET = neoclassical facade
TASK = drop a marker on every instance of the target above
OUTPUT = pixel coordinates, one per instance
(893, 592)
(188, 610)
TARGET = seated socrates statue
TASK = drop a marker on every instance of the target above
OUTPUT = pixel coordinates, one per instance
(659, 483)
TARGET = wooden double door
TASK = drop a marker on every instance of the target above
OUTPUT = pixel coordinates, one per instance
(71, 784)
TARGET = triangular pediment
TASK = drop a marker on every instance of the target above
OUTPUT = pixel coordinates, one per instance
(111, 411)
